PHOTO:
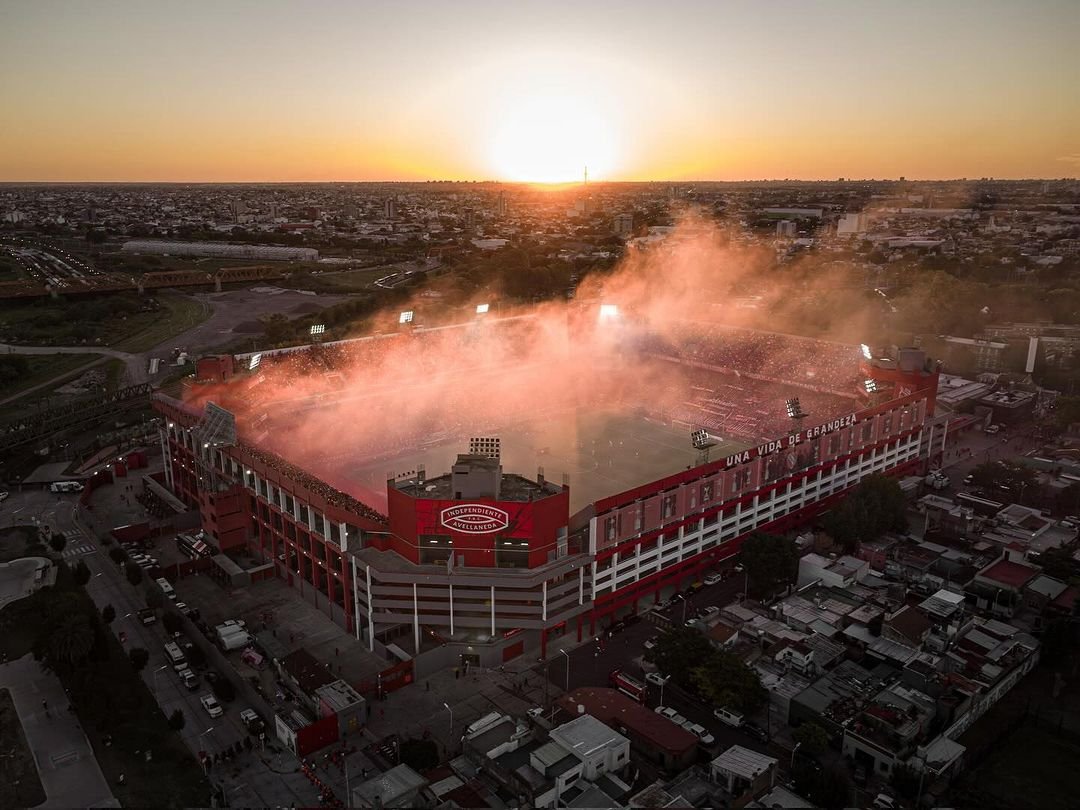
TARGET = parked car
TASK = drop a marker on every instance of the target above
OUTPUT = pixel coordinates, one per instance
(992, 429)
(189, 679)
(969, 479)
(710, 611)
(700, 732)
(535, 711)
(213, 708)
(656, 678)
(725, 715)
(757, 732)
(251, 720)
(4, 496)
(650, 643)
(713, 579)
(883, 801)
(670, 714)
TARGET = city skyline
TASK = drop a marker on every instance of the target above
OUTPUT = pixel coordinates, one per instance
(534, 93)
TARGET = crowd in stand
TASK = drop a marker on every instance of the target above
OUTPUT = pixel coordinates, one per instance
(332, 496)
(784, 358)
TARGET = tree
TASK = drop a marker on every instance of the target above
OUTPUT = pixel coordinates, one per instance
(420, 755)
(877, 505)
(829, 789)
(905, 779)
(133, 573)
(154, 599)
(1009, 479)
(139, 658)
(117, 555)
(224, 689)
(173, 622)
(196, 657)
(108, 613)
(771, 561)
(81, 574)
(67, 642)
(812, 738)
(57, 542)
(723, 679)
(177, 720)
(678, 651)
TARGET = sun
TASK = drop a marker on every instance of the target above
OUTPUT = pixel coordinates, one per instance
(551, 139)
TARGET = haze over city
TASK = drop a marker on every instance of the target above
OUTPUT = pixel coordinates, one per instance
(419, 90)
(539, 405)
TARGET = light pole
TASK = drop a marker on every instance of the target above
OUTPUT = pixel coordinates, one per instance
(158, 672)
(447, 705)
(798, 745)
(564, 652)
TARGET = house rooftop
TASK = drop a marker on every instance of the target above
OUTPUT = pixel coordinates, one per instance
(1009, 573)
(743, 762)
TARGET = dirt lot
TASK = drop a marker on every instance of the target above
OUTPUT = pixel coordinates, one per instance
(19, 783)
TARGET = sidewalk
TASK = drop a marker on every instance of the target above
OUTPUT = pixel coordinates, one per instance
(66, 764)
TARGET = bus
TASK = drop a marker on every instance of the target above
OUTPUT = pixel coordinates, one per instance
(631, 687)
(980, 506)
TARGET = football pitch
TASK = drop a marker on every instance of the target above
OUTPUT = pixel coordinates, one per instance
(602, 453)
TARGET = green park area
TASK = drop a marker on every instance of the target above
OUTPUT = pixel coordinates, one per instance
(21, 372)
(19, 782)
(61, 627)
(124, 321)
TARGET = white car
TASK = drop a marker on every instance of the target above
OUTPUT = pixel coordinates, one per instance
(650, 643)
(535, 711)
(213, 708)
(671, 714)
(657, 678)
(700, 732)
(3, 496)
(712, 579)
(710, 611)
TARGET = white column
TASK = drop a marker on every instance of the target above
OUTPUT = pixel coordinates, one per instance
(451, 609)
(416, 620)
(493, 611)
(355, 600)
(544, 616)
(370, 612)
(581, 586)
(343, 537)
(168, 458)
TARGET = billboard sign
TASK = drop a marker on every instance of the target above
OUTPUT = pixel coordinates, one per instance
(474, 518)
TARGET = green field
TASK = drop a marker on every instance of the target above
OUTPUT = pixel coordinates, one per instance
(123, 321)
(178, 314)
(45, 367)
(19, 782)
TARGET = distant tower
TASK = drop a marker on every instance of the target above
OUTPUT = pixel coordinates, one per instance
(390, 209)
(500, 204)
(586, 175)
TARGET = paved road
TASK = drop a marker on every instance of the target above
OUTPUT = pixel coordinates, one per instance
(257, 779)
(66, 764)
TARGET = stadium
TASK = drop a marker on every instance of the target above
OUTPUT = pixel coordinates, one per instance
(473, 491)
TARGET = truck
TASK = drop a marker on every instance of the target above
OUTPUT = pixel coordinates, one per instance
(232, 637)
(65, 486)
(175, 656)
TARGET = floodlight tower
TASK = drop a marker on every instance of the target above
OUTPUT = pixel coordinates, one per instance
(317, 332)
(794, 409)
(703, 443)
(217, 429)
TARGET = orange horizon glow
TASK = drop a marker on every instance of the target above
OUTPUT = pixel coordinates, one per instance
(535, 92)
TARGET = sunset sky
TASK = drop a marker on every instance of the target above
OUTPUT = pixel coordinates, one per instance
(411, 90)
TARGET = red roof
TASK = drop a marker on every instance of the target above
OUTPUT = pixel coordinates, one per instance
(1012, 574)
(1066, 598)
(613, 708)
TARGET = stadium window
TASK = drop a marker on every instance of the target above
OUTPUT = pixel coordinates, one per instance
(290, 530)
(867, 430)
(290, 506)
(603, 565)
(741, 480)
(834, 445)
(712, 520)
(648, 545)
(886, 422)
(610, 529)
(639, 520)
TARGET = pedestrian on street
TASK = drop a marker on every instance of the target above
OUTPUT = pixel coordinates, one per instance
(120, 780)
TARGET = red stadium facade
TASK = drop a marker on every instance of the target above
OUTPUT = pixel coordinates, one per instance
(481, 565)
